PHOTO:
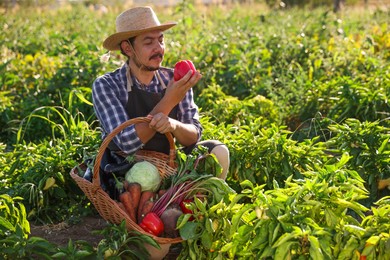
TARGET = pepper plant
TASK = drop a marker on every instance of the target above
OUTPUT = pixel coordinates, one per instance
(368, 144)
(15, 242)
(308, 218)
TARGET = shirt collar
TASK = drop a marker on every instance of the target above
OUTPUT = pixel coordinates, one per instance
(133, 81)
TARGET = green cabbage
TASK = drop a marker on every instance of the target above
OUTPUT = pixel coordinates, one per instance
(146, 174)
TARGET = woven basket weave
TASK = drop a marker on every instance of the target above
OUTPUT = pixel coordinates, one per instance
(107, 207)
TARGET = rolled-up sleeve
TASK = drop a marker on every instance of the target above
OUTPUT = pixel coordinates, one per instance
(189, 113)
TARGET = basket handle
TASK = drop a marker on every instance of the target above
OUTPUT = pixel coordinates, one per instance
(110, 136)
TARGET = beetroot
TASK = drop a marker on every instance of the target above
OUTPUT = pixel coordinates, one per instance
(169, 217)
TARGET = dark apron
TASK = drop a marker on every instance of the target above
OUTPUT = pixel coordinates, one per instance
(139, 104)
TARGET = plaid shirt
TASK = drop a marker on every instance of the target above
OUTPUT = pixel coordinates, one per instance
(109, 95)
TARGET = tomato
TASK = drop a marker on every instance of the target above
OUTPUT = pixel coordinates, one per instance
(152, 224)
(181, 69)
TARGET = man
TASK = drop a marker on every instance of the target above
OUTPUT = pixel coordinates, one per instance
(141, 87)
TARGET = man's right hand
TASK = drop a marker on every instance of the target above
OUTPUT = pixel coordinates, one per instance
(177, 90)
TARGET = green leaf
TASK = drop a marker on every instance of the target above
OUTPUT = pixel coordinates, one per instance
(5, 225)
(369, 250)
(261, 234)
(326, 247)
(283, 239)
(149, 240)
(357, 207)
(82, 253)
(268, 252)
(348, 249)
(82, 98)
(200, 205)
(61, 255)
(356, 230)
(283, 250)
(275, 233)
(246, 184)
(227, 247)
(343, 160)
(383, 145)
(209, 225)
(236, 220)
(244, 234)
(191, 230)
(315, 249)
(206, 239)
(183, 219)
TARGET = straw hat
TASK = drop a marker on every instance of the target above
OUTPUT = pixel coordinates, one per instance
(134, 22)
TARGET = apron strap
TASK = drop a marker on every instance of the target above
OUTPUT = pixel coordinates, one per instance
(128, 78)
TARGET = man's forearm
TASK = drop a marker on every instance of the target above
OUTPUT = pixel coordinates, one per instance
(164, 106)
(185, 134)
(145, 133)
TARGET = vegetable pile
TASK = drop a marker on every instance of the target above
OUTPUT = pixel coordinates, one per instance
(156, 206)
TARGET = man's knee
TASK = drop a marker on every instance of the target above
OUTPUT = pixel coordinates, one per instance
(222, 154)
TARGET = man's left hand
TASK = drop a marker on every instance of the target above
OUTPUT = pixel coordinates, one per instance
(162, 123)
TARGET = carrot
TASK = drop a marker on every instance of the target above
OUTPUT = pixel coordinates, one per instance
(147, 207)
(145, 196)
(125, 198)
(134, 188)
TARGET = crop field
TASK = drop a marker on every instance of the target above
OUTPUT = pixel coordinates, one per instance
(299, 95)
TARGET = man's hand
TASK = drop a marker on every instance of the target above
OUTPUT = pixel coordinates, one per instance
(175, 92)
(162, 123)
(185, 134)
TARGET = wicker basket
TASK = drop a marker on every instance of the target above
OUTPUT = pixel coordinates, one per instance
(107, 207)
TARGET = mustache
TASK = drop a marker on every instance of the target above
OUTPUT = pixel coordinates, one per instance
(157, 55)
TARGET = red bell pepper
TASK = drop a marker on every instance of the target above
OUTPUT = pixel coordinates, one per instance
(152, 224)
(183, 207)
(181, 69)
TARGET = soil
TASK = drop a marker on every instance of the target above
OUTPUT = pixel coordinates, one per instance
(60, 234)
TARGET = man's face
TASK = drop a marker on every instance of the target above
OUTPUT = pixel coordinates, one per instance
(149, 50)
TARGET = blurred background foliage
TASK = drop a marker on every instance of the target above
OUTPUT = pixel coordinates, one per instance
(288, 88)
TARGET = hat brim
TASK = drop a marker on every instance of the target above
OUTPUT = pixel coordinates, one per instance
(113, 41)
